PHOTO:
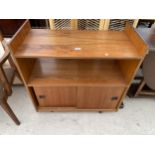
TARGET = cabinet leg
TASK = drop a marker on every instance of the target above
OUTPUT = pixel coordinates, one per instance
(100, 112)
(122, 105)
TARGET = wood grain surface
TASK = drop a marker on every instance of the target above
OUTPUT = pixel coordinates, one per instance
(54, 72)
(77, 44)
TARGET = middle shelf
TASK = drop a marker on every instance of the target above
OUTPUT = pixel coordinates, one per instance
(75, 72)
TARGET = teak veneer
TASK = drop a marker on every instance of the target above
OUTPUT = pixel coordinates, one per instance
(63, 44)
(72, 70)
(75, 73)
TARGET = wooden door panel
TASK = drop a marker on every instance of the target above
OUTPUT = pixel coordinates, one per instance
(98, 97)
(56, 96)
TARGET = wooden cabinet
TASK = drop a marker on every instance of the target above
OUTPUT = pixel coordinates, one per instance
(76, 70)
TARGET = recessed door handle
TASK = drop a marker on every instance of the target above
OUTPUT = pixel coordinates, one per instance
(114, 98)
(42, 96)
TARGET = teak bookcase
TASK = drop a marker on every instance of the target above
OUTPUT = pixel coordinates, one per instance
(73, 70)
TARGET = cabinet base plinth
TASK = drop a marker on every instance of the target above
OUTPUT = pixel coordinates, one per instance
(71, 109)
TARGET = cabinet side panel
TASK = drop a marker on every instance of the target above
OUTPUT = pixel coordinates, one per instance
(25, 67)
(128, 68)
(19, 36)
(139, 43)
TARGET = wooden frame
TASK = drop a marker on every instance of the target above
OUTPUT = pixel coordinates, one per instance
(135, 23)
(107, 23)
(140, 90)
(73, 24)
(103, 24)
(60, 65)
(51, 23)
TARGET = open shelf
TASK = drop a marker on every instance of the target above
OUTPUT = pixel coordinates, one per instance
(77, 44)
(57, 72)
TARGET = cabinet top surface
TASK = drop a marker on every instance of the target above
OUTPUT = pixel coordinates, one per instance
(76, 44)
